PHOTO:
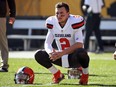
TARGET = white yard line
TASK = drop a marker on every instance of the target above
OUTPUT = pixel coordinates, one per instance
(48, 84)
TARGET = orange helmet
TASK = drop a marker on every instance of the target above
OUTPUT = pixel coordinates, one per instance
(24, 75)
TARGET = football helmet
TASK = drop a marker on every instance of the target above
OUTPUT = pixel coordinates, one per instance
(74, 73)
(24, 75)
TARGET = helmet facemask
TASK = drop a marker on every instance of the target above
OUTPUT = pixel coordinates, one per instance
(21, 78)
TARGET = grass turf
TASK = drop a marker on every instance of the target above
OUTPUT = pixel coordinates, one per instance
(102, 73)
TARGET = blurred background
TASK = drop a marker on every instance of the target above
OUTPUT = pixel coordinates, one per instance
(41, 9)
(46, 7)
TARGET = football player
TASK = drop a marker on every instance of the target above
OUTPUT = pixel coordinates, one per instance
(66, 30)
(114, 54)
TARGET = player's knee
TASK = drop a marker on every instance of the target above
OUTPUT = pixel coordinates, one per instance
(38, 55)
(83, 57)
(81, 52)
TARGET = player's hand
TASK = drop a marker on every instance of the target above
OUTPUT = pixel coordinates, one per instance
(11, 20)
(84, 7)
(89, 10)
(55, 55)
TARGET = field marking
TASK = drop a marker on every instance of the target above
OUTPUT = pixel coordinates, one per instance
(48, 84)
(101, 58)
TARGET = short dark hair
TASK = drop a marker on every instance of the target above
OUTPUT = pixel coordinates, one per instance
(62, 4)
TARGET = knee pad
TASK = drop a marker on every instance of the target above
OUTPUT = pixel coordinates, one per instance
(42, 58)
(38, 55)
(83, 57)
(81, 52)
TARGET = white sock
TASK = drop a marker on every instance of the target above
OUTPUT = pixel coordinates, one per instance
(53, 69)
(85, 70)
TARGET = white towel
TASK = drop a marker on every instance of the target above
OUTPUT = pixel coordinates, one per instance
(65, 62)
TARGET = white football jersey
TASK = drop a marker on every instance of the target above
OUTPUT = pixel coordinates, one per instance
(66, 36)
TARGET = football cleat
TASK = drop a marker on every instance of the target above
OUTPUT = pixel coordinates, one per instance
(58, 77)
(84, 79)
(3, 70)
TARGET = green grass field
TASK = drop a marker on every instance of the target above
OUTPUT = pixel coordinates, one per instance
(102, 73)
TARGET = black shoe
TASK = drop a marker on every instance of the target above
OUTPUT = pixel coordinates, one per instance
(3, 70)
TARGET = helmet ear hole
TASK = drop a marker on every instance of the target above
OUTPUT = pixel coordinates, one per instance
(24, 75)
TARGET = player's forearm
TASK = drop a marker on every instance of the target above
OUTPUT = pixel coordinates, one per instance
(72, 48)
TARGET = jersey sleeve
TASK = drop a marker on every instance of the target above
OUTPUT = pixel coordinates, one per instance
(79, 36)
(49, 38)
(48, 42)
(49, 23)
(78, 22)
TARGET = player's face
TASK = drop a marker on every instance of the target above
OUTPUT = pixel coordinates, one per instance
(61, 14)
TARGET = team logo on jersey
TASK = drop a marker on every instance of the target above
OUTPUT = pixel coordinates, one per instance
(77, 38)
(62, 35)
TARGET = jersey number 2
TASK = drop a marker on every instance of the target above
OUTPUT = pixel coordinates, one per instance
(64, 43)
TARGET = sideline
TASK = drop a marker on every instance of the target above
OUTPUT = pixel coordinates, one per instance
(30, 54)
(21, 54)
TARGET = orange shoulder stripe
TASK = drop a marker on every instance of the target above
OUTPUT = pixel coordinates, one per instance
(78, 25)
(50, 26)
